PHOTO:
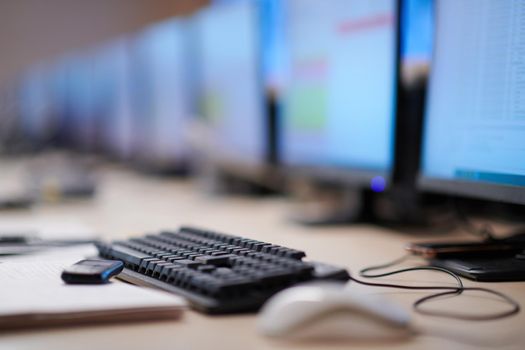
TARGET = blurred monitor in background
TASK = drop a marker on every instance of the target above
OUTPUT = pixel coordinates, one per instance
(35, 108)
(232, 92)
(59, 108)
(59, 94)
(59, 104)
(81, 99)
(475, 114)
(118, 134)
(81, 92)
(165, 95)
(104, 82)
(338, 111)
(10, 138)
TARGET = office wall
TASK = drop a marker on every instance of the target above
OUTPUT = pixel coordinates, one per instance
(35, 30)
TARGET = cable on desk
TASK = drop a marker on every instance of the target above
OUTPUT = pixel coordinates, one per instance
(457, 290)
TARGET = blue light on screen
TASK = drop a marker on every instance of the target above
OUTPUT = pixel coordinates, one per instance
(378, 184)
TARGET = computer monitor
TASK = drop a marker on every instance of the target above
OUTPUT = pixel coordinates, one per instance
(338, 110)
(59, 96)
(35, 107)
(473, 142)
(233, 100)
(118, 134)
(82, 95)
(166, 103)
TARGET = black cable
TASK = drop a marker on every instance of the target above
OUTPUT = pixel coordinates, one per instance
(363, 272)
(457, 290)
(515, 306)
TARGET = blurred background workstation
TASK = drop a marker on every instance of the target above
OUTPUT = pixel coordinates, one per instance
(262, 174)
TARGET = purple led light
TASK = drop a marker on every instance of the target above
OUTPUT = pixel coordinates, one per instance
(378, 184)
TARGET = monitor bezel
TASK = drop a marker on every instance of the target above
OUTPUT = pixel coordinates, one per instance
(457, 187)
(480, 190)
(355, 176)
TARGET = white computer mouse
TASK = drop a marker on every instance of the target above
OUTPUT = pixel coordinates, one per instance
(332, 311)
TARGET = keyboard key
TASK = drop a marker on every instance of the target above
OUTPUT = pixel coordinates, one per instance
(127, 255)
(221, 260)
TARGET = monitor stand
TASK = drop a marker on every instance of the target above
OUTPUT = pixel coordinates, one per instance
(317, 203)
(404, 207)
(169, 170)
(217, 181)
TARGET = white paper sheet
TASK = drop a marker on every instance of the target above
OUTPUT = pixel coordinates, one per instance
(35, 286)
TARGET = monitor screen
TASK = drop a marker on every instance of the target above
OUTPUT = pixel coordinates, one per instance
(475, 117)
(231, 87)
(339, 99)
(82, 96)
(34, 104)
(118, 130)
(42, 94)
(165, 80)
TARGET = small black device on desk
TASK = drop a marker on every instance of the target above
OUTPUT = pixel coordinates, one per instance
(215, 272)
(506, 246)
(16, 202)
(92, 271)
(494, 269)
(496, 260)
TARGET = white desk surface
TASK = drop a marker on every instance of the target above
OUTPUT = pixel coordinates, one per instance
(130, 204)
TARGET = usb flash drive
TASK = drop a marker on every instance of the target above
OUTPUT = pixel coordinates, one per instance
(92, 271)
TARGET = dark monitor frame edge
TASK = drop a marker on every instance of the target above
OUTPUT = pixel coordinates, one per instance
(476, 190)
(264, 174)
(347, 177)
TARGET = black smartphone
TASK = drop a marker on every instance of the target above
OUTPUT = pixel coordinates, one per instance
(431, 250)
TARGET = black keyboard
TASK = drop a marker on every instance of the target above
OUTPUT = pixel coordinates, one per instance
(215, 272)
